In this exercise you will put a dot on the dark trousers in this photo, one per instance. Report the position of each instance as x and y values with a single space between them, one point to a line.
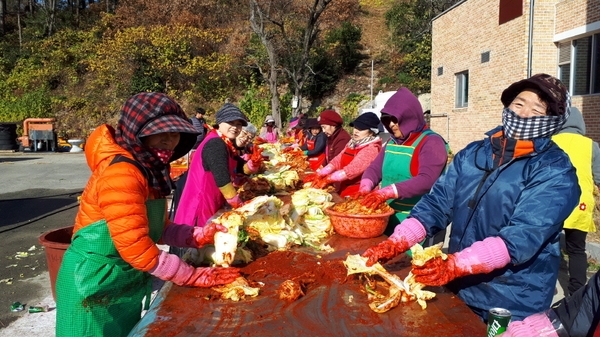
580 313
575 242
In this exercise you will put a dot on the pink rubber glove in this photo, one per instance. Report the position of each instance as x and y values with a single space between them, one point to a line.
171 268
235 202
534 325
480 258
325 170
338 176
406 234
192 237
375 198
253 166
366 186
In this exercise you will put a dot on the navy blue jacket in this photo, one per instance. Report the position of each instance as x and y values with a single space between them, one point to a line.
524 202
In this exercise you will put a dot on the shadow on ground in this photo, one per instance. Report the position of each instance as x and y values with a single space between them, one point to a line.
21 210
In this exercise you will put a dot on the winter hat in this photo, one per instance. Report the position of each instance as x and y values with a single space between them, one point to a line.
250 128
551 90
366 121
200 111
312 123
229 113
269 119
294 122
330 117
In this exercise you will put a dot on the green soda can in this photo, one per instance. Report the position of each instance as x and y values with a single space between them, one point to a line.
16 306
33 309
498 319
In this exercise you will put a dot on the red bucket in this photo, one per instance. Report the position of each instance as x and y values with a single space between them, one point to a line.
56 243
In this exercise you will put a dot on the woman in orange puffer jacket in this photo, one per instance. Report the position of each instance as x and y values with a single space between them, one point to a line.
106 271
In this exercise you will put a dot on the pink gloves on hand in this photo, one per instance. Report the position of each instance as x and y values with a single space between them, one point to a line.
253 166
235 202
191 237
406 234
328 179
338 176
325 170
171 268
482 257
366 186
534 325
373 199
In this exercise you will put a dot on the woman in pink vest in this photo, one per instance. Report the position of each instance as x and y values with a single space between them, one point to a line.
209 184
346 169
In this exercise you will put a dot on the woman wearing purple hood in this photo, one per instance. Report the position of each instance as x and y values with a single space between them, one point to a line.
409 163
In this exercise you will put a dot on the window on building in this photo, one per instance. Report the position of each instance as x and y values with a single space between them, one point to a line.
508 10
579 65
462 89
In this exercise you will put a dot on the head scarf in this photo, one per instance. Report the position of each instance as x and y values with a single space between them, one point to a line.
407 109
151 113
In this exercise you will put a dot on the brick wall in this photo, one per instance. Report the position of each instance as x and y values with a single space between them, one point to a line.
462 34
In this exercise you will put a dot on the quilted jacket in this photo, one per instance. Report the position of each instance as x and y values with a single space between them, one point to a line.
524 202
117 193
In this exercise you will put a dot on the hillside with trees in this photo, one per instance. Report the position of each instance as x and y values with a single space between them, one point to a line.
78 60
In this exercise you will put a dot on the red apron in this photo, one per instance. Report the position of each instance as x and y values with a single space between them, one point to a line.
350 186
317 161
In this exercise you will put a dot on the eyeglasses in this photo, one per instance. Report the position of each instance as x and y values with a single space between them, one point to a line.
387 119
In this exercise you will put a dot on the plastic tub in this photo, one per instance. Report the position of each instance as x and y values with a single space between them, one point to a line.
360 226
56 243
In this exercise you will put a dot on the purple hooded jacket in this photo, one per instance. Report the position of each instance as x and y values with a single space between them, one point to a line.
432 154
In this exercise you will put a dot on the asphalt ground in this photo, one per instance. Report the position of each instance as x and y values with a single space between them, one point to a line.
38 193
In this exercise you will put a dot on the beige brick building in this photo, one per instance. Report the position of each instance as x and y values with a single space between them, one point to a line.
480 47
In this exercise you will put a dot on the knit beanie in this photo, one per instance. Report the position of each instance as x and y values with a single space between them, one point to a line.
330 117
550 89
229 113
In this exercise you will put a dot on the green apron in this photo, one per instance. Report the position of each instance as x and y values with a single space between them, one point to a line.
98 293
395 169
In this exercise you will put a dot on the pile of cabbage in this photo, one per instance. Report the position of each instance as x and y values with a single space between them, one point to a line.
303 222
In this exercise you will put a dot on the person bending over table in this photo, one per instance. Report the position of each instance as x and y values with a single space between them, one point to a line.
209 184
410 161
107 269
346 169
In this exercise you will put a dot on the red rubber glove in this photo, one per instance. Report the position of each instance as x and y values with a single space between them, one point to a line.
209 277
375 198
406 234
235 202
206 235
309 178
192 237
171 268
385 251
357 195
322 182
481 257
438 272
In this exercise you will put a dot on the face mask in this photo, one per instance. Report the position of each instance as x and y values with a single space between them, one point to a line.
517 127
164 155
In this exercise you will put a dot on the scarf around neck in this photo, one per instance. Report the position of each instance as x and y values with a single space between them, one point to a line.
529 128
352 144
